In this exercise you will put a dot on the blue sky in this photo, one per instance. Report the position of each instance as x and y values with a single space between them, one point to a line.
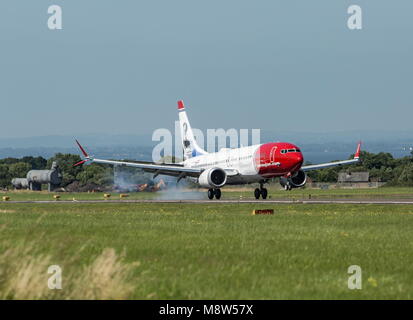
120 66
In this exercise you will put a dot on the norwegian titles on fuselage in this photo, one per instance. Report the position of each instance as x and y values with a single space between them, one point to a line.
266 160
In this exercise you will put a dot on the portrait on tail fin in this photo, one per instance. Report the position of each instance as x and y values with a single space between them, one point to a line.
186 142
190 146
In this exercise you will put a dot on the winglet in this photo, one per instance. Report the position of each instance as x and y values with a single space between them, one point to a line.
79 163
87 158
357 154
181 105
83 150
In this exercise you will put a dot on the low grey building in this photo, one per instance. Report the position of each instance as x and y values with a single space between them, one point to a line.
35 179
353 177
20 183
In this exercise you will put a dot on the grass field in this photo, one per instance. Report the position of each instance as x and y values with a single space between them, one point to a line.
228 193
198 251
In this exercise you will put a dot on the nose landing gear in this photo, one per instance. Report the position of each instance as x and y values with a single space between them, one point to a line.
214 192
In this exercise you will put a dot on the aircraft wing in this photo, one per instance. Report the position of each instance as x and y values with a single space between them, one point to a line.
172 169
335 163
166 169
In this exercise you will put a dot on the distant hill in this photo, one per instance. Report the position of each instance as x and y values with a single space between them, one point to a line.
317 147
69 141
142 153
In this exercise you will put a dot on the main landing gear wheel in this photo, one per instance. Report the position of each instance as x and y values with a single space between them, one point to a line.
214 192
261 192
257 193
264 193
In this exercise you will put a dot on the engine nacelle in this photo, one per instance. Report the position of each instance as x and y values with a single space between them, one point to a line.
213 178
297 180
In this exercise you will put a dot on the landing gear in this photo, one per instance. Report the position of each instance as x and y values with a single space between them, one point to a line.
287 187
257 193
261 192
214 192
264 193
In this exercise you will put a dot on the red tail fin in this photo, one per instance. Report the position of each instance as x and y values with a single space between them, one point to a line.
181 105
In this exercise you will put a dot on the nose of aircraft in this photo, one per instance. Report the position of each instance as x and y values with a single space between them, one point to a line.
297 159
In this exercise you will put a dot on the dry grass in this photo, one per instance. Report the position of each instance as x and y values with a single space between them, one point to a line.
7 211
23 275
105 278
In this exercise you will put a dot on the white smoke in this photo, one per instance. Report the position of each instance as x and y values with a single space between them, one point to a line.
126 181
180 191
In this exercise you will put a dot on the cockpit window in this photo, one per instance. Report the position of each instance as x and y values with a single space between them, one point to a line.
290 150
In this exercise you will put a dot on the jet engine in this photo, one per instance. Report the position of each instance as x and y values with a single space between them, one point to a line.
297 180
212 178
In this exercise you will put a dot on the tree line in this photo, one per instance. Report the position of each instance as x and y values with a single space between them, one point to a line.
94 173
381 167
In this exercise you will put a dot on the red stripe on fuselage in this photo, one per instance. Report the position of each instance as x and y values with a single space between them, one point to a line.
270 161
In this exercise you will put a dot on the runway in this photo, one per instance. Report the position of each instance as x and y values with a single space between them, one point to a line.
217 202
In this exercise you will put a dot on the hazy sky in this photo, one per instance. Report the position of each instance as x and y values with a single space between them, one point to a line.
120 66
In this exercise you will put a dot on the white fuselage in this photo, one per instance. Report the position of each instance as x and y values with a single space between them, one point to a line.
240 161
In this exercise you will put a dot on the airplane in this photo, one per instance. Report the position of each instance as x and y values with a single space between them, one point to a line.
237 166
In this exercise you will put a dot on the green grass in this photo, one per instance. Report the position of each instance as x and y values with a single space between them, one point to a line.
221 251
232 193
